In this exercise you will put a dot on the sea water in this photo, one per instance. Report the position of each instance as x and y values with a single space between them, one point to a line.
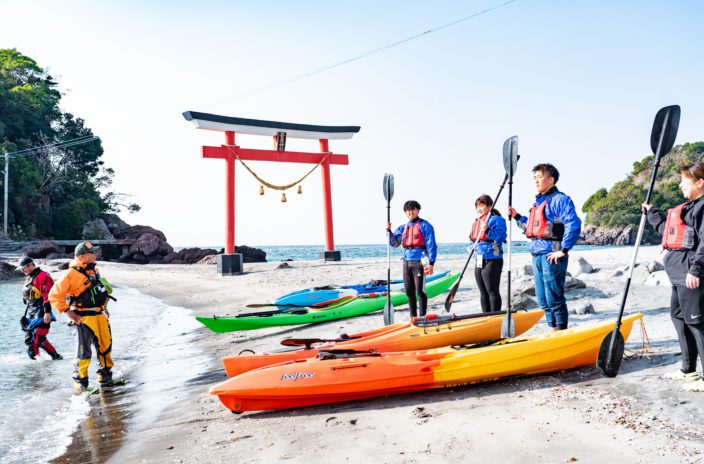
312 252
41 415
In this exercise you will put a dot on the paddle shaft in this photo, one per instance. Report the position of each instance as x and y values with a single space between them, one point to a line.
388 257
510 228
451 296
641 228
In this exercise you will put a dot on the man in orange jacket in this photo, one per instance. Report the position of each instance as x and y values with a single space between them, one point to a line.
81 294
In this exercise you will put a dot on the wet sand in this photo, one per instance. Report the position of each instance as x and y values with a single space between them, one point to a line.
575 416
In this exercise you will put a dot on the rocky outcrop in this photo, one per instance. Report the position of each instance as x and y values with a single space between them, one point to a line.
626 235
96 230
188 256
134 232
114 224
251 255
8 272
41 249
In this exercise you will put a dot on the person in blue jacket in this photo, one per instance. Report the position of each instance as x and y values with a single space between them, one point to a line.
488 232
553 227
420 250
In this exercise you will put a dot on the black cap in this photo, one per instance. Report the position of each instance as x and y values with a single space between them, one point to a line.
23 262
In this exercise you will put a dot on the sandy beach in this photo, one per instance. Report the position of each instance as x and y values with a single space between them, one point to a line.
575 416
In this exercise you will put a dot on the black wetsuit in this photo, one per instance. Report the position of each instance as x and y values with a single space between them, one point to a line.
686 305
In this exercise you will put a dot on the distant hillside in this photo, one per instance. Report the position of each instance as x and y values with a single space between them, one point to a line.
613 215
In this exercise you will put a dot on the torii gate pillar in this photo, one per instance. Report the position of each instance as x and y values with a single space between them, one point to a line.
230 262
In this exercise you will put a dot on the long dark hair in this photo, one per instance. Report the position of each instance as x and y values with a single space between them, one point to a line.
486 200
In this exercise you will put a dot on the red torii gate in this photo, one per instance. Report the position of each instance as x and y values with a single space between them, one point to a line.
231 262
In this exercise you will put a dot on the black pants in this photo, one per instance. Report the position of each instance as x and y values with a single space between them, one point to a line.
488 279
687 311
414 282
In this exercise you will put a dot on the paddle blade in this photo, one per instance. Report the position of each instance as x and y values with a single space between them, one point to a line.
451 297
388 186
609 362
508 326
511 155
665 126
388 313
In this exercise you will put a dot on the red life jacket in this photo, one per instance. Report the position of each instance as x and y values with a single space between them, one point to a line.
677 235
539 227
475 230
413 237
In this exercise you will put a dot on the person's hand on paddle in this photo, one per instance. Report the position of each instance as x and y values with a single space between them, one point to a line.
645 207
555 256
388 227
691 281
512 213
75 318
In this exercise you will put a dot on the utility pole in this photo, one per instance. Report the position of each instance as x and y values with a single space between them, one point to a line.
7 176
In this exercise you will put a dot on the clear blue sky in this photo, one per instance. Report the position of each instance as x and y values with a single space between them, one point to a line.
578 82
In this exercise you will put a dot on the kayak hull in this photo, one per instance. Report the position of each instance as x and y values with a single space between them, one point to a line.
396 337
355 307
314 381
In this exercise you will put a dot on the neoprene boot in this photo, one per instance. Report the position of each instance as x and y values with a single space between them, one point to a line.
104 375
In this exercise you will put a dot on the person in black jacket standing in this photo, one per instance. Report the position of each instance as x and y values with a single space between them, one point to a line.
683 233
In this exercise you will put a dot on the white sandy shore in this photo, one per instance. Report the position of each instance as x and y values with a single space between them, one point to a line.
576 416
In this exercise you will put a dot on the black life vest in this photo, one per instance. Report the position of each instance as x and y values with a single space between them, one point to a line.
539 227
31 295
412 236
678 235
475 230
95 295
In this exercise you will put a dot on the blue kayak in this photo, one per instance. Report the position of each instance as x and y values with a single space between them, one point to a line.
317 295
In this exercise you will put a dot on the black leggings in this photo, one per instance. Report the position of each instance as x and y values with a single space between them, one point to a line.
414 282
488 279
686 314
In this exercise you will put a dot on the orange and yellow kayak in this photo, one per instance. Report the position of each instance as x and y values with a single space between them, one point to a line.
333 378
424 333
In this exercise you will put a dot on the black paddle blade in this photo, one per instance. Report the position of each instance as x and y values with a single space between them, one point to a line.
388 313
508 326
665 126
451 297
608 363
511 155
388 186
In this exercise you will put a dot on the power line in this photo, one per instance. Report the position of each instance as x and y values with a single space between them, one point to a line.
354 58
62 144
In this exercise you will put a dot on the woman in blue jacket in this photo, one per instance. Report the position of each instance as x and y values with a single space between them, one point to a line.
489 231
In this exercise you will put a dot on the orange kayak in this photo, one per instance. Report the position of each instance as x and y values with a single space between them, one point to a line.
422 334
333 378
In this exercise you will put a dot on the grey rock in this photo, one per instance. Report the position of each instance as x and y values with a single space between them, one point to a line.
580 266
523 301
528 270
96 230
283 265
655 265
572 283
583 308
40 248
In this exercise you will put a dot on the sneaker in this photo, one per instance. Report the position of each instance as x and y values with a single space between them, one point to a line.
80 382
56 356
679 375
697 386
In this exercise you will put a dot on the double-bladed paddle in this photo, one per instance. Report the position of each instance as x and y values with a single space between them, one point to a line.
662 138
508 325
453 291
388 195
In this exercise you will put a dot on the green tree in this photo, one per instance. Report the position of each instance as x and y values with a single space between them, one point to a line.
620 206
54 190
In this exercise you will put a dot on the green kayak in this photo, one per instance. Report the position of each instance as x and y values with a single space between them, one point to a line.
351 308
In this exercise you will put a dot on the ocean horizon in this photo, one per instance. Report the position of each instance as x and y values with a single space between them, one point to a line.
275 253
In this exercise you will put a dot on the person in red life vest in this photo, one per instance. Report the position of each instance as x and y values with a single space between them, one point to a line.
682 229
37 318
488 232
553 227
420 250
